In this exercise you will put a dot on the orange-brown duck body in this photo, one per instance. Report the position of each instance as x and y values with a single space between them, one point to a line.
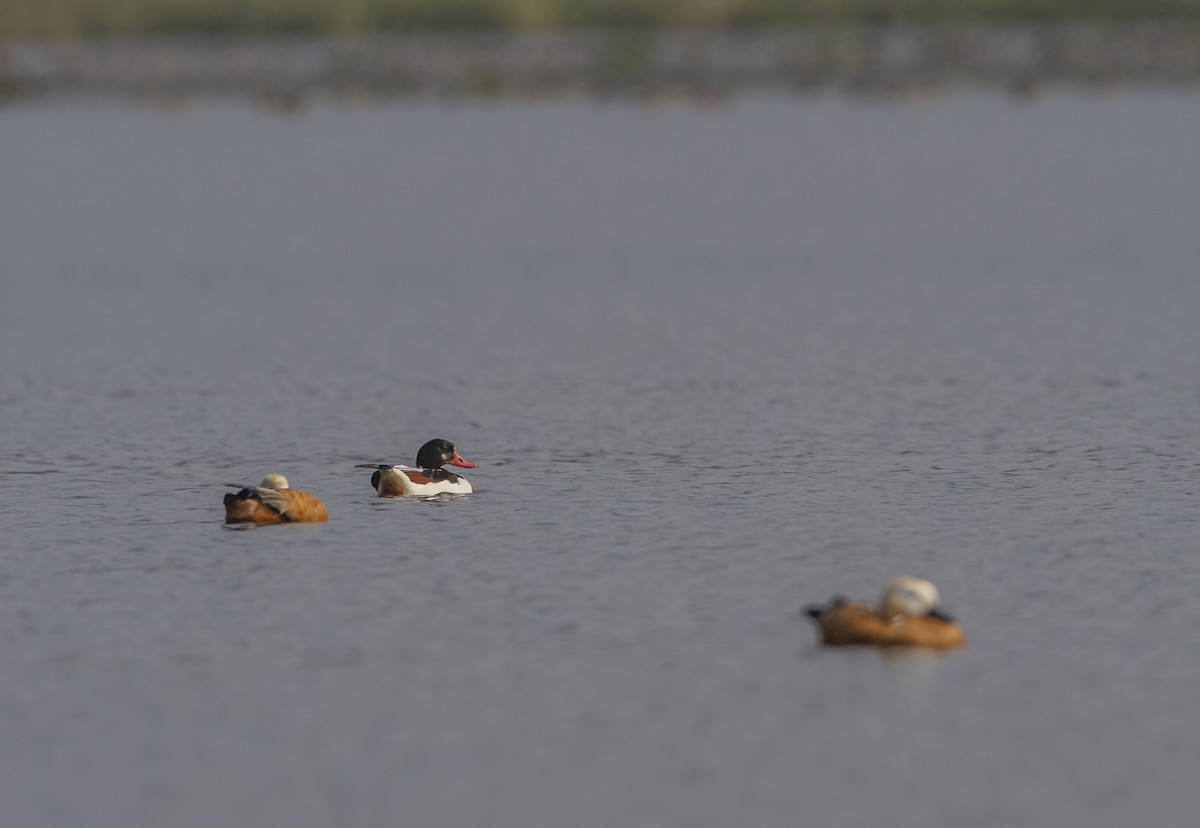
272 501
907 616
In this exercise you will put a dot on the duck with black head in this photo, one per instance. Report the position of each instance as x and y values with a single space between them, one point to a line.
907 616
425 479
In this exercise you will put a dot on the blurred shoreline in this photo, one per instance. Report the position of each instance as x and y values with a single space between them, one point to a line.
875 61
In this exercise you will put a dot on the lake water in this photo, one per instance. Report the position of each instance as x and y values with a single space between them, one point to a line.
715 362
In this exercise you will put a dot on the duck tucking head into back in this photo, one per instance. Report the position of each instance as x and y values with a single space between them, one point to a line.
907 615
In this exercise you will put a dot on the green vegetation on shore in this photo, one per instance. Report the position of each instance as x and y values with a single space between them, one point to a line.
88 18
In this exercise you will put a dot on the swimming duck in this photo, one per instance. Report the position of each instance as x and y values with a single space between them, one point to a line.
271 501
907 616
427 478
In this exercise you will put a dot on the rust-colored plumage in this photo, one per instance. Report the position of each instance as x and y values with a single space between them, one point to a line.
907 616
845 624
272 502
391 483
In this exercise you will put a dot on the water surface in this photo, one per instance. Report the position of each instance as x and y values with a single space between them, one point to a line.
715 362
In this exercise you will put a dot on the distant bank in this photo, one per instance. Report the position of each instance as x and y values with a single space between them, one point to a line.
81 19
869 59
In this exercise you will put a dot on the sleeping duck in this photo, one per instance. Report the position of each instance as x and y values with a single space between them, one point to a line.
907 616
271 501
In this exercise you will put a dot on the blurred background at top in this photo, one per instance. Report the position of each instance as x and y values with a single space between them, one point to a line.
84 18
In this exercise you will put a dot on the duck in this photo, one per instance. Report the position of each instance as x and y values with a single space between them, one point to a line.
272 501
907 616
427 477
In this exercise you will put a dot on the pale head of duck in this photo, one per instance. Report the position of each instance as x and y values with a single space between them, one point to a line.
907 596
274 480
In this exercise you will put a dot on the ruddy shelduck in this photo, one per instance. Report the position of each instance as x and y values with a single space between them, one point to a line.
907 616
271 501
427 478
